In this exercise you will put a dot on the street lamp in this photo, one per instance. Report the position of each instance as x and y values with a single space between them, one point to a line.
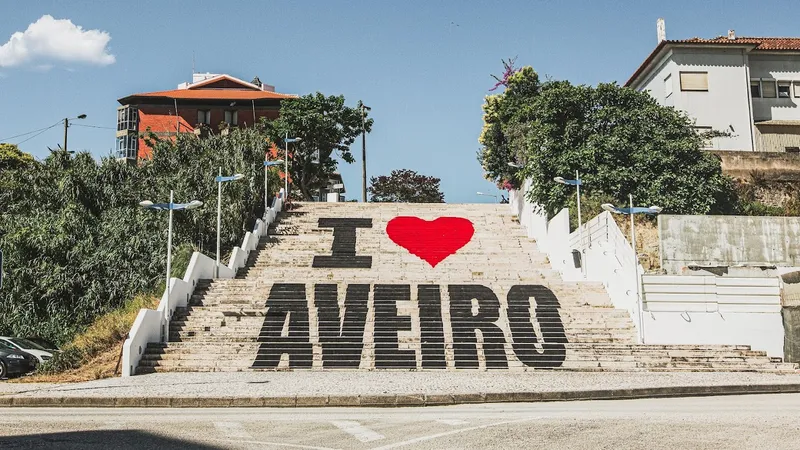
267 165
288 141
631 211
66 126
487 195
577 183
220 179
514 165
171 206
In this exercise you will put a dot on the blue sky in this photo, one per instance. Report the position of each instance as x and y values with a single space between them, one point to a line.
423 66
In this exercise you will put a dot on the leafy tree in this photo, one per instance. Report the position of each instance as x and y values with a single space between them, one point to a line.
405 186
620 140
327 128
76 243
11 157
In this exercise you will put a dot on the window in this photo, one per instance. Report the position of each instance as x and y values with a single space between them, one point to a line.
204 117
784 89
797 89
668 86
231 117
792 149
128 119
755 88
128 146
694 81
768 89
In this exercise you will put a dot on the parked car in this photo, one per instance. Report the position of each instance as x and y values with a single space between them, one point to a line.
26 346
15 362
49 346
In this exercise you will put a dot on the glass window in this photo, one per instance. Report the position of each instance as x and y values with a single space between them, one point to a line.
694 81
204 117
128 146
784 89
755 88
768 89
232 117
797 89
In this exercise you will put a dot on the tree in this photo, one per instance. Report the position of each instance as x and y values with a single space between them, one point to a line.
327 128
620 140
405 186
76 244
11 157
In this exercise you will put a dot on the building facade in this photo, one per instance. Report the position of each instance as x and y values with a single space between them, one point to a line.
209 103
748 87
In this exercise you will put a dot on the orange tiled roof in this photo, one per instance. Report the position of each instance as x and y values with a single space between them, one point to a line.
757 44
213 94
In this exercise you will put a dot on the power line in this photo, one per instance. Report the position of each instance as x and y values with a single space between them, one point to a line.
92 126
37 134
31 132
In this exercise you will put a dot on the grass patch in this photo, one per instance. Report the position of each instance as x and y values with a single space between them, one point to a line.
93 354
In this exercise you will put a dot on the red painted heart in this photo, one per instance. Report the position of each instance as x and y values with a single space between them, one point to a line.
432 241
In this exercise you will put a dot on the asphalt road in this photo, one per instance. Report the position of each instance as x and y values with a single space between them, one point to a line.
762 421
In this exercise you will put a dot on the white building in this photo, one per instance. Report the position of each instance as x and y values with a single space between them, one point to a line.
749 87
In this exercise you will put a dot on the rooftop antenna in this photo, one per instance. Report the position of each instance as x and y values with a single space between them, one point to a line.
193 71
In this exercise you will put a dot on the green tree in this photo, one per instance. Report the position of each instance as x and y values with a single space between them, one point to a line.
405 186
11 157
327 128
620 140
76 244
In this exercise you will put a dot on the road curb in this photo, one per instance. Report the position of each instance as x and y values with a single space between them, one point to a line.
400 400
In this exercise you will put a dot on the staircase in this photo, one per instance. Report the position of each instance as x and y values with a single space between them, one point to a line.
353 286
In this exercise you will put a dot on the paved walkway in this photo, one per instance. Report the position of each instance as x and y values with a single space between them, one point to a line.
747 422
310 384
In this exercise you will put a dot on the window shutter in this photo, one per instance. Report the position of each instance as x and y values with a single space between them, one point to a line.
694 81
768 89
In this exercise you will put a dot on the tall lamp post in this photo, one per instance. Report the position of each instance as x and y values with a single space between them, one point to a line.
288 141
66 127
267 165
220 179
171 206
364 108
631 211
577 183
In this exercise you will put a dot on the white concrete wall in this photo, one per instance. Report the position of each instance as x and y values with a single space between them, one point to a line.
675 309
713 310
780 68
727 102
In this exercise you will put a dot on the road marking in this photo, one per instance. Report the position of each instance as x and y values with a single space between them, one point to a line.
233 430
450 433
267 443
453 422
358 431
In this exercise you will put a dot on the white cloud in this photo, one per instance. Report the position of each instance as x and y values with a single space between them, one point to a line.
50 39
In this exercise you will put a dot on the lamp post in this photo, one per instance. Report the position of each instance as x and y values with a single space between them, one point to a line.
577 183
66 127
631 210
288 141
364 108
171 206
220 179
486 195
267 165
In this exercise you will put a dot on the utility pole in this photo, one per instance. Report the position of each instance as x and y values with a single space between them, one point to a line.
364 108
66 126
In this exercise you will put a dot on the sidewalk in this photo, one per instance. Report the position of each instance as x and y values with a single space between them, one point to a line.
385 388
